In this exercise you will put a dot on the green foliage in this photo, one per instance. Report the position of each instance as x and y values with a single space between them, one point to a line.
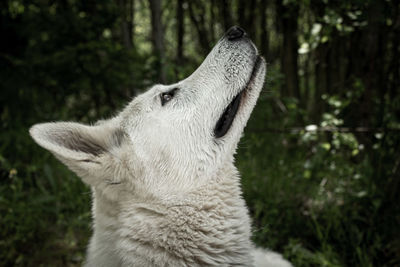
313 194
42 206
321 195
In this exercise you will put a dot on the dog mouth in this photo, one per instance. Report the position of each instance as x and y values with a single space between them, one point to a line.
225 122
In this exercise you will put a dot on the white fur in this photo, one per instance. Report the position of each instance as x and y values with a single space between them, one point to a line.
165 190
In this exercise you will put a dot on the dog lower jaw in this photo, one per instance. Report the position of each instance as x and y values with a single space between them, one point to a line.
225 122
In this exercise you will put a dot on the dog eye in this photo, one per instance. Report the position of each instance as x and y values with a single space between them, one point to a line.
167 96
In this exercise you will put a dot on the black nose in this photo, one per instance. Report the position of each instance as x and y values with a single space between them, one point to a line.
235 33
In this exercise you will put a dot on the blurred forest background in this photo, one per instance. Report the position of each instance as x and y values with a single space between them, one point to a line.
320 157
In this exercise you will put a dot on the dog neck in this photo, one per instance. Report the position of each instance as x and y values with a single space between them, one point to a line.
209 225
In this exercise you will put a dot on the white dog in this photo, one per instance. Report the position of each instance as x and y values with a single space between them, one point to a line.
165 189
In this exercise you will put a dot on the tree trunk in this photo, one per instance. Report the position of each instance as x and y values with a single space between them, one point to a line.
374 67
395 64
124 34
307 102
225 13
320 80
212 20
157 37
251 16
197 13
241 13
246 16
131 21
289 14
264 42
180 31
126 23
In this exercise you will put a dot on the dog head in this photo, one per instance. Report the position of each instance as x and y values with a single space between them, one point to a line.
172 137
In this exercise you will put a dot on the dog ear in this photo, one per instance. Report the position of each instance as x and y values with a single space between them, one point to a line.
86 150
